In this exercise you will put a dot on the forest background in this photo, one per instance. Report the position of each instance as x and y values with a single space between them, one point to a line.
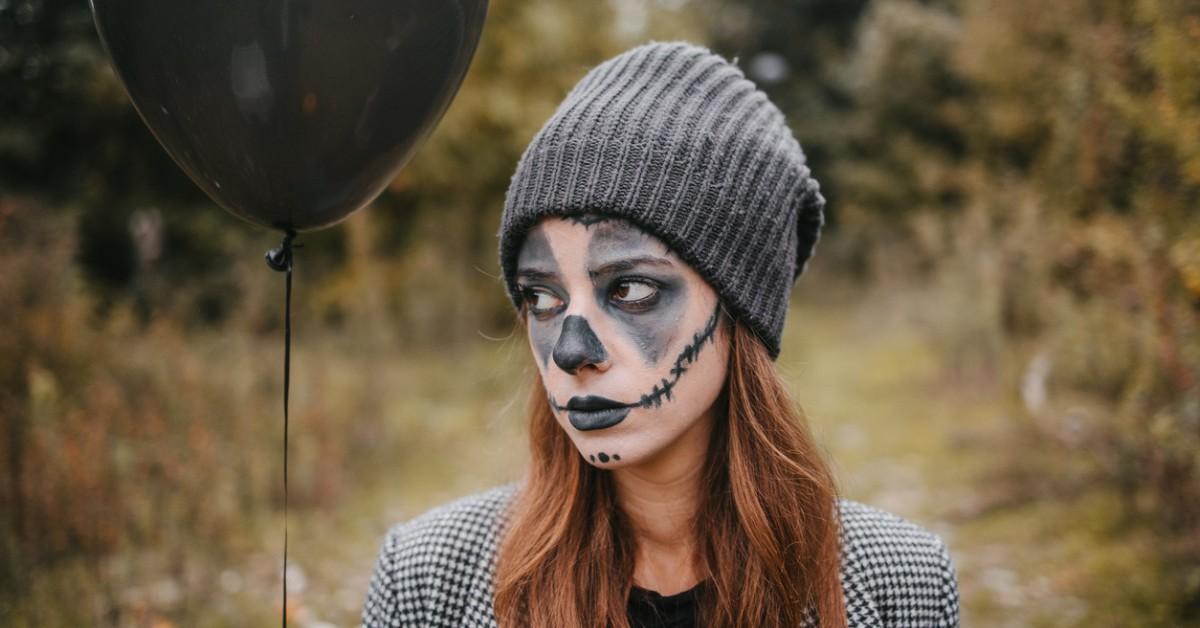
999 336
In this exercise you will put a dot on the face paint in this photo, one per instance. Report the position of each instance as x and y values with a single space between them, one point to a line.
587 220
688 355
621 329
618 249
593 412
577 345
536 265
654 397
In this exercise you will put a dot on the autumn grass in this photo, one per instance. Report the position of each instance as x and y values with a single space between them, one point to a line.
902 436
375 437
910 433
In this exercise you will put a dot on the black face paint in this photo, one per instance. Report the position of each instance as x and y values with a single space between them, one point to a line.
686 357
619 253
593 412
596 413
535 261
587 220
603 457
616 456
577 345
612 259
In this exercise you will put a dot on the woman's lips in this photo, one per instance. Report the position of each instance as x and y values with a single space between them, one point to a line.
596 419
594 412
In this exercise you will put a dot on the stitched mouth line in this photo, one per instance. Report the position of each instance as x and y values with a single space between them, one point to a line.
687 356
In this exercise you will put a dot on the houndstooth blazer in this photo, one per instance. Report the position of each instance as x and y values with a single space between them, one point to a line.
437 569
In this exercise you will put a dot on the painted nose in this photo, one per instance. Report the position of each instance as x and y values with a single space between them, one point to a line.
577 345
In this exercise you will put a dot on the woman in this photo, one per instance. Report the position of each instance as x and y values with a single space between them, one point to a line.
650 238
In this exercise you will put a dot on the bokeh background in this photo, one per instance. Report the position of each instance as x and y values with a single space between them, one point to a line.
998 338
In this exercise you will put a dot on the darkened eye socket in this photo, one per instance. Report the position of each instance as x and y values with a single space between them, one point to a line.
634 291
540 300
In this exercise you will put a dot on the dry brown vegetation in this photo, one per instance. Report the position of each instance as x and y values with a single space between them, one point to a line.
1005 312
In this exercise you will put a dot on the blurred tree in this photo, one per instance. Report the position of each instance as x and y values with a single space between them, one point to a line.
870 90
1039 161
443 211
794 51
69 135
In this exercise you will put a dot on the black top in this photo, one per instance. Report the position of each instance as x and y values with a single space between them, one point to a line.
649 609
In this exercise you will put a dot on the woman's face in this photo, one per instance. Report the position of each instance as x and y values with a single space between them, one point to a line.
624 333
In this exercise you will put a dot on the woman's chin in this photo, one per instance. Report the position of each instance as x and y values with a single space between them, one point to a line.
610 451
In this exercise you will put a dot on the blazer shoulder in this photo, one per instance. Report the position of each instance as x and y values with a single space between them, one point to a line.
474 517
895 569
436 568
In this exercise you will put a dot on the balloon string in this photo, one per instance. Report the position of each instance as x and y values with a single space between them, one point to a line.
280 259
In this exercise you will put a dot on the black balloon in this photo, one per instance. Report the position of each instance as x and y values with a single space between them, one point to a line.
291 114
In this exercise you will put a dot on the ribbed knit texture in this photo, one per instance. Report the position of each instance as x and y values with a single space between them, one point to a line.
676 139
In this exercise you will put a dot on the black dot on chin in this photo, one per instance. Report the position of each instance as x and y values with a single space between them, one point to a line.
616 456
593 457
603 457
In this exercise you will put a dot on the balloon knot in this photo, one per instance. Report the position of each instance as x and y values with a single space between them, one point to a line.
280 257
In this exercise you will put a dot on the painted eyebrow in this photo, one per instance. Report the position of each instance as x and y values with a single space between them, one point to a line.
536 274
630 264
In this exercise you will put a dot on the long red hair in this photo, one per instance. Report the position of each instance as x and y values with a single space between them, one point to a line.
766 527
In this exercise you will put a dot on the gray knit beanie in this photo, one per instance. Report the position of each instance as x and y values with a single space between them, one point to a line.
675 139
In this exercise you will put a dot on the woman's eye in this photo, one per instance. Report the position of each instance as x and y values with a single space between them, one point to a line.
631 291
540 300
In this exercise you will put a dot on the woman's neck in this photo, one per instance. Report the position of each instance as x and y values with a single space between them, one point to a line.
659 497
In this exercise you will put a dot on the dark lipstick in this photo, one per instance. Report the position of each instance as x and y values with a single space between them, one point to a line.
594 412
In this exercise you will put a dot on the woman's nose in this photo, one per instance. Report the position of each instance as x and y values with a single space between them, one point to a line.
578 345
